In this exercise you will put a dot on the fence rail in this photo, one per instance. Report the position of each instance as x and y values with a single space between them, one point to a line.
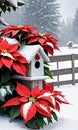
64 71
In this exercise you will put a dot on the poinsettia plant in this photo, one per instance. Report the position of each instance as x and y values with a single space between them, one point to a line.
16 99
11 61
28 35
35 102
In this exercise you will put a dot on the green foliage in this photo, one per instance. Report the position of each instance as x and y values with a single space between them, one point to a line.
54 116
37 121
47 71
20 4
40 121
2 98
49 120
14 113
4 75
5 5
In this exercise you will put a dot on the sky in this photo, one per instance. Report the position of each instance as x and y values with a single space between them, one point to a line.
68 8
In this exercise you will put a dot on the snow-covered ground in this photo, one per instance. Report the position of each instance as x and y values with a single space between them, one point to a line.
66 50
68 117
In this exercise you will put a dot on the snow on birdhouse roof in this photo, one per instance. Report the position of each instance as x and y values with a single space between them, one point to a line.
70 42
29 51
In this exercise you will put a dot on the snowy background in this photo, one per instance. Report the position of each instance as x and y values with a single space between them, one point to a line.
68 116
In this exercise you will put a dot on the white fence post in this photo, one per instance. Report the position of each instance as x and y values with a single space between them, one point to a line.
73 68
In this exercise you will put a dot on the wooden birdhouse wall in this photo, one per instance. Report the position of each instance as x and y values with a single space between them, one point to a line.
35 67
32 84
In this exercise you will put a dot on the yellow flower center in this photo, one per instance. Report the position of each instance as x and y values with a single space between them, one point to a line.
41 34
4 51
19 26
31 99
52 93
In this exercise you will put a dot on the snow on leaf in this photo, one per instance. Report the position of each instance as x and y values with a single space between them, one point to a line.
46 94
8 55
3 92
28 111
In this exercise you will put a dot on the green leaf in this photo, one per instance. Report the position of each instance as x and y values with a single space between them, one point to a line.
47 72
21 3
12 87
19 36
40 121
5 76
49 120
32 123
14 8
2 98
54 115
22 43
14 113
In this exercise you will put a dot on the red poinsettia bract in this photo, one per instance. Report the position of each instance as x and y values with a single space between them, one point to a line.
31 102
11 58
1 39
14 30
56 96
47 41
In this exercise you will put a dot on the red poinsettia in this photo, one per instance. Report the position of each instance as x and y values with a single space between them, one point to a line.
14 30
11 58
1 39
31 102
47 41
56 96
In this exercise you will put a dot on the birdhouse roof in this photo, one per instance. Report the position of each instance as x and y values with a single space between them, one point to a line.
29 51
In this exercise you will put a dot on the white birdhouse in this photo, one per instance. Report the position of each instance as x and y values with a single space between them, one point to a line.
35 56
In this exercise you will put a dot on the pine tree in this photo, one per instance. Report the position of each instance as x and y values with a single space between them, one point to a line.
65 34
75 27
43 14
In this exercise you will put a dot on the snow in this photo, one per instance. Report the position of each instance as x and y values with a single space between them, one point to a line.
68 116
66 51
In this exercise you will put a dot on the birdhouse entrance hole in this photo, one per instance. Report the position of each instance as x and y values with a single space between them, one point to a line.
37 64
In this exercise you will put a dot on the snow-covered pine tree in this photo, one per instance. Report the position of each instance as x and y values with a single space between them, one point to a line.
43 14
65 34
75 27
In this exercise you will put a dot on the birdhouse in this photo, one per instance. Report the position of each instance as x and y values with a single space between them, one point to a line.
35 56
70 44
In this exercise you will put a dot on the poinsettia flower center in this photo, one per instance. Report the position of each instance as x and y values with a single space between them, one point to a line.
4 51
31 99
52 93
19 26
41 34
